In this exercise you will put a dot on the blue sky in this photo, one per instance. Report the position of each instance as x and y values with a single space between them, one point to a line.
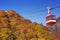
31 9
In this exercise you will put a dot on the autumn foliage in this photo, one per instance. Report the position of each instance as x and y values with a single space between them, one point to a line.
15 27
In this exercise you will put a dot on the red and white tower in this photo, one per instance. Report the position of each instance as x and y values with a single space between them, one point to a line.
50 19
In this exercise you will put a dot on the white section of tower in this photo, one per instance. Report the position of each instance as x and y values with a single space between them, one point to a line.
50 21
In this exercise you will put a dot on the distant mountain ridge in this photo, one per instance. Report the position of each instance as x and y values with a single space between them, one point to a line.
57 25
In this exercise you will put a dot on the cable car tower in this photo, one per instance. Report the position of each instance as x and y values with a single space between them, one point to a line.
50 19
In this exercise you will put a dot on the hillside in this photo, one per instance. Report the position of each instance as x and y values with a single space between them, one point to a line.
15 27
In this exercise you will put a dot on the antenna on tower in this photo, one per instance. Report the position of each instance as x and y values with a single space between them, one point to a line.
49 8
